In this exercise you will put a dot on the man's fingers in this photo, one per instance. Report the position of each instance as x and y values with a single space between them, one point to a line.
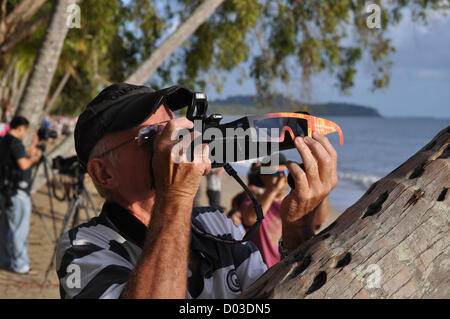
205 159
331 153
299 176
327 146
322 158
182 151
176 128
190 149
310 163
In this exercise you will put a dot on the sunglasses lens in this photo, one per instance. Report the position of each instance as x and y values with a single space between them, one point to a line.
301 127
276 128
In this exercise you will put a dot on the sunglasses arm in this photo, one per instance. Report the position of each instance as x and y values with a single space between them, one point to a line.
324 127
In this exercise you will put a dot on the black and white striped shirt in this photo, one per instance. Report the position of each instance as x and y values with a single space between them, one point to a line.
95 259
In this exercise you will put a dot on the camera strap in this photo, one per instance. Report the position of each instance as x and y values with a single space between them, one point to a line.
257 207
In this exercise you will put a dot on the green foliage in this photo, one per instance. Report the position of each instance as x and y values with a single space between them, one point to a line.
109 45
295 37
272 41
219 44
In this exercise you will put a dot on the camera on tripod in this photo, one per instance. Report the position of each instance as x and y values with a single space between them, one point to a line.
69 166
44 134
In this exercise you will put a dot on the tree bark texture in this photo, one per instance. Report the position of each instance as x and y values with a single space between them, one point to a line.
16 24
392 243
33 100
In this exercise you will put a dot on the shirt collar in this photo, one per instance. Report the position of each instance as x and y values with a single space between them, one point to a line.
125 223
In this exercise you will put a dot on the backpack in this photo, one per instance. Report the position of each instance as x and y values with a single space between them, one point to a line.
8 173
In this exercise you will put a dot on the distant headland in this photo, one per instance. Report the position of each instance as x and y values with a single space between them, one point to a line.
250 104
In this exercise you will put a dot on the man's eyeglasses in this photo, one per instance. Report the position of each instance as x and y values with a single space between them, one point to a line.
144 136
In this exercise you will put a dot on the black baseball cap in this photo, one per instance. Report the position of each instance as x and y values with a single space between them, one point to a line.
120 107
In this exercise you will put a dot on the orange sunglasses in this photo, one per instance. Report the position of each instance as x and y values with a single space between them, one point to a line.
296 124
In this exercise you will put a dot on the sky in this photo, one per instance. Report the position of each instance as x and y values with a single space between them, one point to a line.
420 75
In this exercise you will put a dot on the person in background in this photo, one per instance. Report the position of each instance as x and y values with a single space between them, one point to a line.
275 189
238 199
15 222
235 214
4 128
254 182
46 123
214 186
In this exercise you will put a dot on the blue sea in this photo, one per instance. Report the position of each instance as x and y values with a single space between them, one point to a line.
373 147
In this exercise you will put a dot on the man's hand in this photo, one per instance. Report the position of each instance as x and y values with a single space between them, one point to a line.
172 171
161 271
36 156
312 186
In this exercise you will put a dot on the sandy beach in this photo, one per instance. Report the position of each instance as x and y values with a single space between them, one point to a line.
42 235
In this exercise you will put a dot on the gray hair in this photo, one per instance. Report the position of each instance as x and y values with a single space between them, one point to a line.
101 147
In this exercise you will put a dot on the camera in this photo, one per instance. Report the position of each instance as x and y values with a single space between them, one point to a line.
44 134
229 142
69 166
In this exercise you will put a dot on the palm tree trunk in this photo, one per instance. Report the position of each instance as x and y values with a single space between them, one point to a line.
145 71
33 100
17 96
57 92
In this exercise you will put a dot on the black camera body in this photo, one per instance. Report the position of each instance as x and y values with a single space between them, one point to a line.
234 147
197 111
44 134
69 166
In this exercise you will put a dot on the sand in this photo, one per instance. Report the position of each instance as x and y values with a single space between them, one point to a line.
42 238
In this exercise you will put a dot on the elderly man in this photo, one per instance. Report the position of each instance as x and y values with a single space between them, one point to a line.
149 241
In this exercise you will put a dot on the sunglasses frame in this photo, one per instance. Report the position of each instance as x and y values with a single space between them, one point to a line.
315 124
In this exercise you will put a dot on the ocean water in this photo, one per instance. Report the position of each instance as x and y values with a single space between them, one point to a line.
373 147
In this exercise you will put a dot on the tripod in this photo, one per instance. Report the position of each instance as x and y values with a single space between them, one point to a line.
80 199
44 161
